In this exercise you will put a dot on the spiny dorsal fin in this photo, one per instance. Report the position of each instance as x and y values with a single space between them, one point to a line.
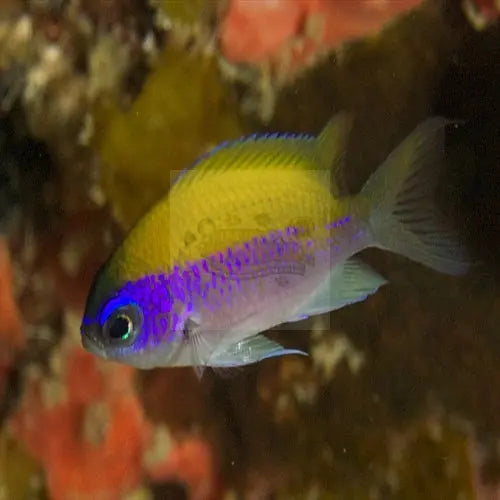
260 151
256 152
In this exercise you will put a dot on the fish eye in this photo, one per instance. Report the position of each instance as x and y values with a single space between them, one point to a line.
120 328
122 325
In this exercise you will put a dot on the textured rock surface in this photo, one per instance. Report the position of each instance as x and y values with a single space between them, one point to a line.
100 105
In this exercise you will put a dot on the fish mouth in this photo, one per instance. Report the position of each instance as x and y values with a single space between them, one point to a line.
90 341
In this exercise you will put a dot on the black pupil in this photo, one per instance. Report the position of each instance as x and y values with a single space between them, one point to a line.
120 328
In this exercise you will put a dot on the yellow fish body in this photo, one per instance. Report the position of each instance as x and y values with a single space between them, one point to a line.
255 235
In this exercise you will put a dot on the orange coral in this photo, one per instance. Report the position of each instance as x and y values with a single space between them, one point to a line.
261 31
192 463
11 330
108 468
12 337
88 429
254 31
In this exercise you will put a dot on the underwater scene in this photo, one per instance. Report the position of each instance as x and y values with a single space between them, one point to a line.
250 249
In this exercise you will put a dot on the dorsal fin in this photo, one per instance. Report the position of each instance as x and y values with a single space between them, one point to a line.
257 151
284 150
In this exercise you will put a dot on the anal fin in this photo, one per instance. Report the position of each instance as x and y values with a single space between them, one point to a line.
347 283
250 350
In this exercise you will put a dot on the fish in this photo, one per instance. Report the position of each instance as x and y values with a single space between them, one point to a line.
257 234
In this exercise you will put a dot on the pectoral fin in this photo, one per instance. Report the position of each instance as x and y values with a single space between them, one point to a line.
201 347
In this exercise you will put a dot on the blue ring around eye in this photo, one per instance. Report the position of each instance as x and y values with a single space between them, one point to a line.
112 305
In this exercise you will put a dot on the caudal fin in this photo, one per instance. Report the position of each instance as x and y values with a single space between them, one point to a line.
404 218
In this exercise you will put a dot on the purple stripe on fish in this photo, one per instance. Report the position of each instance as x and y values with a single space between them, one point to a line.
278 252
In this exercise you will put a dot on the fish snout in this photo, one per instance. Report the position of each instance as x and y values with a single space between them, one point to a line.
90 333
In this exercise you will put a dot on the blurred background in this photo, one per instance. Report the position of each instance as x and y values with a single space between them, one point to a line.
101 103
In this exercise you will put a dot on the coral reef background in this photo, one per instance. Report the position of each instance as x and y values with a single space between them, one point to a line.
101 104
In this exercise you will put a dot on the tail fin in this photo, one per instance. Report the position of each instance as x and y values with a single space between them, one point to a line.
404 218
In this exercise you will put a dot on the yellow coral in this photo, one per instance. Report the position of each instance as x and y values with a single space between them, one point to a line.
18 472
185 11
182 110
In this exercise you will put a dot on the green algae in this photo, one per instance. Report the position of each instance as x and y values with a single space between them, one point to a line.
182 110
